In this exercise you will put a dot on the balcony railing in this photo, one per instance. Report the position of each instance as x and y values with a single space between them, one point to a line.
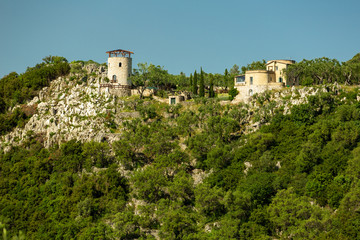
109 85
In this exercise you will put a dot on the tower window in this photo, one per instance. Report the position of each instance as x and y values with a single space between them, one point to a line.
119 64
114 78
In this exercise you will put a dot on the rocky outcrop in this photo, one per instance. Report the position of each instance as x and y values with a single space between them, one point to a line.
70 109
262 106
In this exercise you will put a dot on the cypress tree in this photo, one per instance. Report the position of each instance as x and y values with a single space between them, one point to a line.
226 78
191 81
202 85
211 90
195 87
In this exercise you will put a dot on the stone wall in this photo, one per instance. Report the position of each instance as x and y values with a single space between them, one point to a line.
120 92
146 93
246 91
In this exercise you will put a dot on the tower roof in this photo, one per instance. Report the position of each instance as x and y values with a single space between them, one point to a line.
284 61
121 52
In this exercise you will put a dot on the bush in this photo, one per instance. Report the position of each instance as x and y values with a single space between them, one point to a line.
232 93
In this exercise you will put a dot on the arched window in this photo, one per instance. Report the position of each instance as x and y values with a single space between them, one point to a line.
114 78
250 92
119 64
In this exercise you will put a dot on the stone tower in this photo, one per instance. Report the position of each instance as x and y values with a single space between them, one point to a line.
119 67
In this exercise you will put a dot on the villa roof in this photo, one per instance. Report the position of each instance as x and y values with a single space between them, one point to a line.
285 61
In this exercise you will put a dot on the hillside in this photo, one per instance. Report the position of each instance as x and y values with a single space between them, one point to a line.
88 165
72 107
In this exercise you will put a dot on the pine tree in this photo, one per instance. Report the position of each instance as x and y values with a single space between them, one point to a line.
202 85
195 87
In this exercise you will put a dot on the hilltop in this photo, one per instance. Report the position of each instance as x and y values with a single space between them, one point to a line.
75 107
86 164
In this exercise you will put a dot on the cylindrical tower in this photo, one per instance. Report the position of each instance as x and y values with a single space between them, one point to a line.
119 67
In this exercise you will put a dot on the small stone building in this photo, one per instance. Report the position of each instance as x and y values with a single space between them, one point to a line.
119 71
119 67
176 99
257 81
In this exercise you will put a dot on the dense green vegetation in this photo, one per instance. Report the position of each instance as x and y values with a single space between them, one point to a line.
199 83
297 177
17 89
325 70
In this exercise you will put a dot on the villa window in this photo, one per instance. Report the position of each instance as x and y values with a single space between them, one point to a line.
280 79
240 79
119 64
251 80
277 68
250 92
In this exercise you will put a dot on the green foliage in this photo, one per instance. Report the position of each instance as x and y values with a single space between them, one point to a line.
17 89
297 217
202 85
191 80
10 120
232 93
324 70
127 224
226 79
150 76
234 70
96 154
47 198
180 223
256 65
195 84
302 114
147 112
195 175
211 88
209 201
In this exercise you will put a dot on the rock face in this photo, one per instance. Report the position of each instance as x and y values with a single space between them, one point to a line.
70 109
265 104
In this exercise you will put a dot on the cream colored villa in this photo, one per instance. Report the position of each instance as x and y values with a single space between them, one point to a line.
256 81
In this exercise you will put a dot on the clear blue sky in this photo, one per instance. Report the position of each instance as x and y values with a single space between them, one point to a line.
178 35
